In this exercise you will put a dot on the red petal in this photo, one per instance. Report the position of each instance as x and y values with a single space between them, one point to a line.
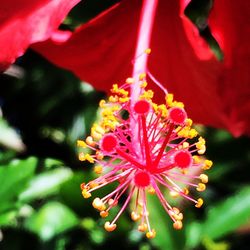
23 22
229 21
100 52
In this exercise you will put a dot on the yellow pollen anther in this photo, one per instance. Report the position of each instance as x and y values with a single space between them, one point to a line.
148 95
112 202
151 234
96 136
177 104
185 191
208 164
98 204
99 155
200 145
93 184
148 51
204 178
184 171
98 169
176 210
151 190
178 217
163 110
81 157
184 132
135 216
123 99
89 158
102 103
185 144
201 187
202 150
115 88
109 227
192 133
142 227
81 144
99 129
169 99
196 159
177 225
142 76
85 193
130 80
199 203
144 84
90 141
113 98
104 214
188 122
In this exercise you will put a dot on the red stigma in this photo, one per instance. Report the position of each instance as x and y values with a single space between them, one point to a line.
183 159
142 107
177 115
142 179
108 143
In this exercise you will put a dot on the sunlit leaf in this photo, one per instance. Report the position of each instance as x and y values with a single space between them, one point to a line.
13 179
46 183
193 234
228 215
10 138
7 218
52 219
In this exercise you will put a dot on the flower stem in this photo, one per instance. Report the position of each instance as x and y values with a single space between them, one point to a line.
140 58
143 41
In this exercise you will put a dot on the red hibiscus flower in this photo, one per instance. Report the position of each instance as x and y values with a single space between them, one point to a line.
23 22
215 93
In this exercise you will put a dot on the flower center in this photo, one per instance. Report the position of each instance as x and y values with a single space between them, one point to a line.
142 179
183 159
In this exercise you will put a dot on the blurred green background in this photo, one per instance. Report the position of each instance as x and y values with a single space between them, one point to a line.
43 111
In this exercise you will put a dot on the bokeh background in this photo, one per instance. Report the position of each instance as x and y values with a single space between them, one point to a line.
43 111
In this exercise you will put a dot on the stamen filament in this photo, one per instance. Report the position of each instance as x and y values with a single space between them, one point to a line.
164 144
129 158
124 205
145 140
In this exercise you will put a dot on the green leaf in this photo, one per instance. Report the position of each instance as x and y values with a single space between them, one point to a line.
193 234
51 162
45 184
52 219
7 218
211 245
228 215
13 179
9 137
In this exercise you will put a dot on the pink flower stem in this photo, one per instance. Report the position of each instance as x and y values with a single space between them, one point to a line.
140 58
143 41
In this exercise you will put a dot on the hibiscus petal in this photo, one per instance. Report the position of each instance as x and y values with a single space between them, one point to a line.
23 22
229 22
100 52
192 80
